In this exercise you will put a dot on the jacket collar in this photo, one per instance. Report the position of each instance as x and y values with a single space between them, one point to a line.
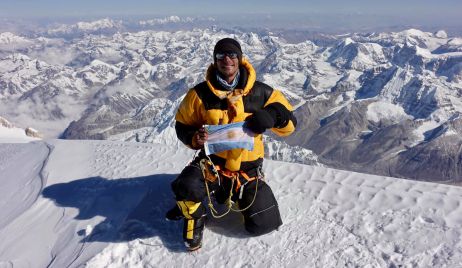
237 91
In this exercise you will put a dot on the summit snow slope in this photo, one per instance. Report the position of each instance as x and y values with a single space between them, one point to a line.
101 204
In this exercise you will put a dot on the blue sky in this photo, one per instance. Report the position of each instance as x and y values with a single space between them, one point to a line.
26 8
326 13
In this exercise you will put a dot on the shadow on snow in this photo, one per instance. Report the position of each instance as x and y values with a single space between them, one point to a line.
132 208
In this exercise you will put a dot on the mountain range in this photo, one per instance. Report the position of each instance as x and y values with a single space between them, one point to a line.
384 103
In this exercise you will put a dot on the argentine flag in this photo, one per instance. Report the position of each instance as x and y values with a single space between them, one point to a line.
227 137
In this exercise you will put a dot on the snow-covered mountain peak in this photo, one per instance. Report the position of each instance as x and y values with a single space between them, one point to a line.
80 28
7 38
441 34
452 45
97 62
455 41
104 71
423 52
358 56
252 39
410 37
170 19
174 19
347 41
415 33
15 57
98 25
422 39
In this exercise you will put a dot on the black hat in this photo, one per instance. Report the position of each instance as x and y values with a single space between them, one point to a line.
227 45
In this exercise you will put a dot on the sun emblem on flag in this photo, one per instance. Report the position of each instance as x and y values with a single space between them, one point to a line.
232 134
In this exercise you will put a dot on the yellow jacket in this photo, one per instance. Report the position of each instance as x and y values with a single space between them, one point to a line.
206 104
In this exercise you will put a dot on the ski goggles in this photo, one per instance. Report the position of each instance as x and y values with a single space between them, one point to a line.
231 55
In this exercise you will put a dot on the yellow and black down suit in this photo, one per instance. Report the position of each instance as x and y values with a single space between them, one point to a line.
208 104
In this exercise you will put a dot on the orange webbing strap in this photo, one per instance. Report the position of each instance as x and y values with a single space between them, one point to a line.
208 167
234 175
209 171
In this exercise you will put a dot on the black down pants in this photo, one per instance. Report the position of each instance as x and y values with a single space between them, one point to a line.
261 217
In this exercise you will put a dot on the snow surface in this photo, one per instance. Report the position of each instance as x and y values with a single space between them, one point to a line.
14 135
102 203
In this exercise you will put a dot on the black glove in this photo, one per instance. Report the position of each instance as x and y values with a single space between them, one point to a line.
273 115
259 121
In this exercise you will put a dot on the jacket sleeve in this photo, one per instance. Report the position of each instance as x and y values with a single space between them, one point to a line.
185 133
285 119
189 117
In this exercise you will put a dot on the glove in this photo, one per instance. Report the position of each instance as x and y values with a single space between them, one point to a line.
199 138
273 115
259 121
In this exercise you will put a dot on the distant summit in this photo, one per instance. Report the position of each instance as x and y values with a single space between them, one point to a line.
441 34
103 26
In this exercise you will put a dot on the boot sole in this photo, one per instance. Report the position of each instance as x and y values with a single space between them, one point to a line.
191 249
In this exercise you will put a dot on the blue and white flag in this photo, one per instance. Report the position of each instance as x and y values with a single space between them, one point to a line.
227 137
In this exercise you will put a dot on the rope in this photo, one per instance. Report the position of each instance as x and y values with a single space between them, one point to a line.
213 211
229 202
253 200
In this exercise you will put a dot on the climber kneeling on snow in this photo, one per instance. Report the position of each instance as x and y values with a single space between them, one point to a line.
229 95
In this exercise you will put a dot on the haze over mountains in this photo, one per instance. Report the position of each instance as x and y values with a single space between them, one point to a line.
384 103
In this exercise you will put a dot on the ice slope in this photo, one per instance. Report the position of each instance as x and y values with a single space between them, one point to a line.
101 204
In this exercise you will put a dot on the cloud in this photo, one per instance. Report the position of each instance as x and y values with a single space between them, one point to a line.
128 86
54 55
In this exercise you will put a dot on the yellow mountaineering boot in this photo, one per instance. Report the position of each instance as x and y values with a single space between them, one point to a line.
193 230
194 223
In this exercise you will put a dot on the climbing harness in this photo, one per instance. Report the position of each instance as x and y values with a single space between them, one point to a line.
212 173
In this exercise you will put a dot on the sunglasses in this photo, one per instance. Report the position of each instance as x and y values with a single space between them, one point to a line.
231 55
